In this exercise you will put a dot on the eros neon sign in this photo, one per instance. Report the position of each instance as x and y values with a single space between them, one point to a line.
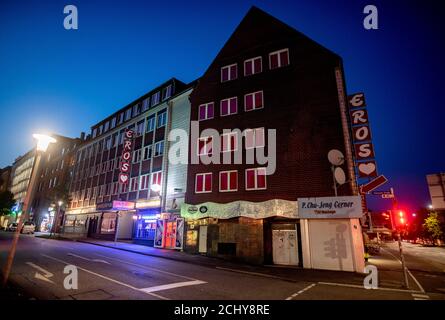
124 174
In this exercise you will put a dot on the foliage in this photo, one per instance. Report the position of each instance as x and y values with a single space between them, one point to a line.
432 226
6 202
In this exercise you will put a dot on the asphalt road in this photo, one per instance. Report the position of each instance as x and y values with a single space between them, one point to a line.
106 273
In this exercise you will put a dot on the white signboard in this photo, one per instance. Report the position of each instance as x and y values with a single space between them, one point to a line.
330 207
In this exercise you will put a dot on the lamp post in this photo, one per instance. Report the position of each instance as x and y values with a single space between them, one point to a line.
43 142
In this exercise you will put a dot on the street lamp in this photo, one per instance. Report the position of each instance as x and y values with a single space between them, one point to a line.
430 207
43 142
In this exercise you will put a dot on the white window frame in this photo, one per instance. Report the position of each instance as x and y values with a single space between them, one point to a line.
161 119
151 124
228 101
128 114
256 179
252 60
132 182
155 149
229 78
254 137
254 106
236 141
206 106
155 174
113 122
279 58
228 182
203 182
205 139
155 98
144 182
136 156
168 92
144 151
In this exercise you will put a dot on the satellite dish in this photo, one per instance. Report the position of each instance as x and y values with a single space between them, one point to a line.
335 157
339 175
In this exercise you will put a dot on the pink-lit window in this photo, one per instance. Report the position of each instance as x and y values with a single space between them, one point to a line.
206 111
253 101
205 146
156 178
279 59
256 179
228 181
252 66
254 138
203 182
229 142
229 106
229 72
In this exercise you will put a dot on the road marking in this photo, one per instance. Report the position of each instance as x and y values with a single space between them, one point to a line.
148 268
407 270
107 278
301 291
362 287
172 286
252 273
87 259
46 274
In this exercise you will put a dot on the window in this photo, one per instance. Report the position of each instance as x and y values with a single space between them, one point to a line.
136 156
205 146
124 187
120 118
254 138
206 111
279 59
229 142
108 143
155 99
162 119
140 128
115 139
253 101
134 184
136 109
151 124
256 179
94 133
147 153
229 72
108 189
113 122
229 106
228 181
203 182
166 92
145 104
145 181
252 66
156 178
159 148
100 129
127 114
95 191
107 126
115 188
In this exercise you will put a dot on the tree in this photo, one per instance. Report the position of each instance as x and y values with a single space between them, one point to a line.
432 226
6 202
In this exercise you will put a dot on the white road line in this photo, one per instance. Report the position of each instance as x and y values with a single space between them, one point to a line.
148 268
407 270
87 259
424 296
106 278
249 272
362 287
46 273
301 291
172 286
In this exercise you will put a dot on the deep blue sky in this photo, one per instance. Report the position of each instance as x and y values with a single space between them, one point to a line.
64 81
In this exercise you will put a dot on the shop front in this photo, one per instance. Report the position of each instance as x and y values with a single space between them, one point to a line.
169 232
275 232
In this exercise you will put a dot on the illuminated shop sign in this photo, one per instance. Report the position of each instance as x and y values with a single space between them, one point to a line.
330 207
125 165
115 205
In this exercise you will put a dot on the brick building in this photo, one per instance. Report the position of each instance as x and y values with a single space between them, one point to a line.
51 195
269 76
102 206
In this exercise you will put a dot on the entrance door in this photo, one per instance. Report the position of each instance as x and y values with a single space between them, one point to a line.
284 247
202 239
170 235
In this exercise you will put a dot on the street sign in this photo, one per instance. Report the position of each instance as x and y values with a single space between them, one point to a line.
374 184
379 193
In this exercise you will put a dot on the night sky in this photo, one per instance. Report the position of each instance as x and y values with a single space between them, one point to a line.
61 81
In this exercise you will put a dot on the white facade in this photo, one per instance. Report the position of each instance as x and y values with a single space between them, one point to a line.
436 187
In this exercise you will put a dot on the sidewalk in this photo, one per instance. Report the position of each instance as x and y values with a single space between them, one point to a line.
292 274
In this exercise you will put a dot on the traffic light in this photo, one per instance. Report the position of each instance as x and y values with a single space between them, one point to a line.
401 219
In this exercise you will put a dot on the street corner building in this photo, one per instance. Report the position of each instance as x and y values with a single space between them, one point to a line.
120 188
270 76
